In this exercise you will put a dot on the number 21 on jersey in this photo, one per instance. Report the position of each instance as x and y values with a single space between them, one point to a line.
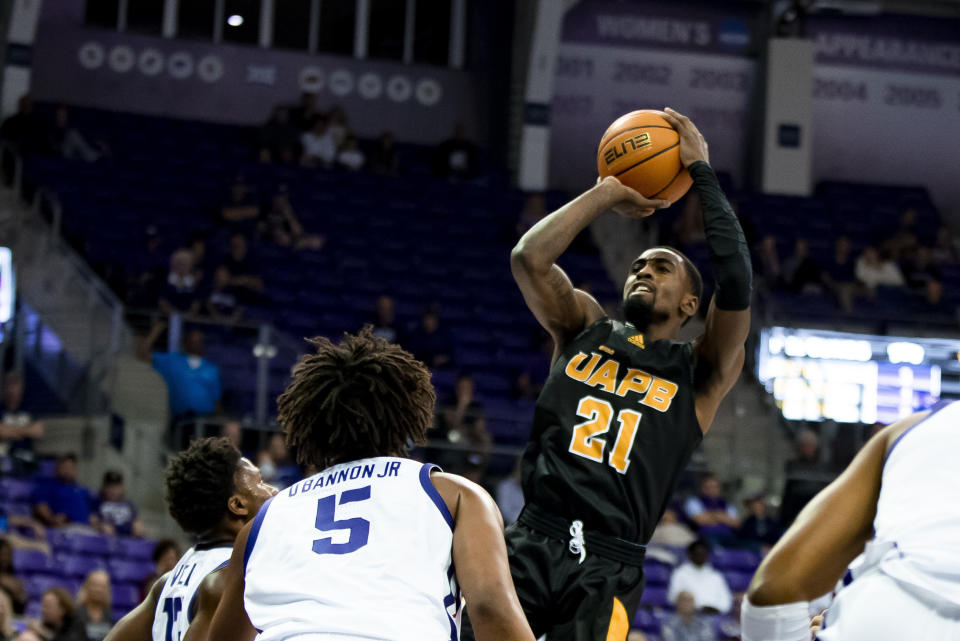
587 442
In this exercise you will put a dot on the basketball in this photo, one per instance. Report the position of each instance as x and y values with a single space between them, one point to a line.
643 151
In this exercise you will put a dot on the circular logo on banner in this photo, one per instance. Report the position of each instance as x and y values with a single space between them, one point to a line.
429 92
311 79
151 62
370 86
121 59
91 55
341 82
210 68
399 88
180 65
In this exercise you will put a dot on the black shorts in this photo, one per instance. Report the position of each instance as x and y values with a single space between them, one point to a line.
564 599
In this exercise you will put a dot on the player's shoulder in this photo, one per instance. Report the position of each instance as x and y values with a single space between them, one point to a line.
460 494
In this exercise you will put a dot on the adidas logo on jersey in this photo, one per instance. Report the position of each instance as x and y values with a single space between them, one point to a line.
637 340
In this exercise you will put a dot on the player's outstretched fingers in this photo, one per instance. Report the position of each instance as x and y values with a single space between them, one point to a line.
693 146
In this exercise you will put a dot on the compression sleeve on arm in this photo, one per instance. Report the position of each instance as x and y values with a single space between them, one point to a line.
729 253
789 622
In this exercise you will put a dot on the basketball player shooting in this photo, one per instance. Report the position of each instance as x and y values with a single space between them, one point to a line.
624 406
898 503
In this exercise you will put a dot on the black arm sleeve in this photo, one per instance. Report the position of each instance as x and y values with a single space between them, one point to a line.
729 253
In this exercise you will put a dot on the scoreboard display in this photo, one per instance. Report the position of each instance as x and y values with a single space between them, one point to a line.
852 378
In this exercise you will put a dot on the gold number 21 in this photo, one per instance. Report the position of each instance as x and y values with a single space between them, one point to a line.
587 442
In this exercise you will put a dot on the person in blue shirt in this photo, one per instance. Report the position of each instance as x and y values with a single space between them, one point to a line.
60 501
193 381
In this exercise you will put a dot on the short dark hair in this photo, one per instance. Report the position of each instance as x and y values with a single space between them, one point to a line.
112 477
69 456
358 398
199 481
699 543
693 274
162 547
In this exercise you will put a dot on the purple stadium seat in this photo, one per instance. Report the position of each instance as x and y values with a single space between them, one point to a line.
656 574
130 548
738 581
731 559
25 561
129 571
655 596
15 490
125 595
75 565
96 545
33 609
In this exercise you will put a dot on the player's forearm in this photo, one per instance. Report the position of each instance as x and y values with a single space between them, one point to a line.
543 244
729 253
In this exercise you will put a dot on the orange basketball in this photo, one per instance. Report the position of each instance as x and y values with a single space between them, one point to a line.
643 151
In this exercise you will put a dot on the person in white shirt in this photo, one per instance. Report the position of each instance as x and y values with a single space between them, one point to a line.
708 587
350 155
873 270
318 145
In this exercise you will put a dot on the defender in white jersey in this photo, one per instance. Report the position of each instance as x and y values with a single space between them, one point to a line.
211 492
366 548
899 505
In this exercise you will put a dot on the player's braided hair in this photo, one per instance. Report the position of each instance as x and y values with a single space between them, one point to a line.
358 398
199 482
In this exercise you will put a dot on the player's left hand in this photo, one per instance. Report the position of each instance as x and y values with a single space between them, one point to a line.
693 147
816 623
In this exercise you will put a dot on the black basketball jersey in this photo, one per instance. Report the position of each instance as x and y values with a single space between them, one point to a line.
613 430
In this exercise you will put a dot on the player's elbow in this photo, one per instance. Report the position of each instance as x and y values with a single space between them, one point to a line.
525 261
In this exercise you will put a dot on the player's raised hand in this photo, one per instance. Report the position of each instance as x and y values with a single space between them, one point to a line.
626 201
693 147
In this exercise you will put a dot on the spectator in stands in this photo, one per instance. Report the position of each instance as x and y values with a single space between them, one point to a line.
18 428
874 269
339 125
222 303
919 268
384 321
148 270
686 624
671 532
70 143
696 576
94 616
279 138
759 530
276 466
61 501
26 131
305 113
688 227
383 158
57 618
281 226
318 145
905 239
944 248
510 494
166 553
117 514
768 267
840 274
933 303
463 422
180 293
429 342
525 388
7 631
244 277
9 581
350 156
241 210
801 273
456 157
806 475
233 431
193 382
716 519
197 247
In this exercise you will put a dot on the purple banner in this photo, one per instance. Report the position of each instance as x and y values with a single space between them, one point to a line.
691 27
909 43
239 84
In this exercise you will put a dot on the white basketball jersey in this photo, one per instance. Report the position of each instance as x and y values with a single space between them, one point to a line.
360 550
917 525
175 607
